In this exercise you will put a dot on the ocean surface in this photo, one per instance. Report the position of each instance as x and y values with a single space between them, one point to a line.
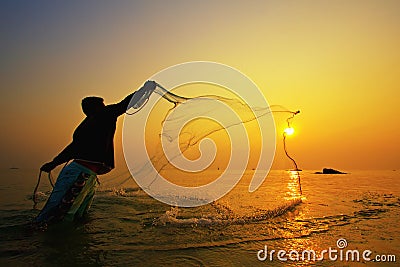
125 227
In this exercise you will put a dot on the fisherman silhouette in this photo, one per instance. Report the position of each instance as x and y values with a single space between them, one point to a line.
92 154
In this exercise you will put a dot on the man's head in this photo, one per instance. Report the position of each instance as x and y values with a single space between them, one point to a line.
92 105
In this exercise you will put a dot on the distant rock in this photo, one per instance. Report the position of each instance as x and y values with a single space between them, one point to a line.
330 171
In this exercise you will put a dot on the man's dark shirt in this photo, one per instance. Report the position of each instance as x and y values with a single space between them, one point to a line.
93 139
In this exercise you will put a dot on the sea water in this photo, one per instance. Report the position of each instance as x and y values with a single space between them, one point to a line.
126 227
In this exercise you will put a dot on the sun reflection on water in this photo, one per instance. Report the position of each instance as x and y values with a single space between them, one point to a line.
297 238
294 187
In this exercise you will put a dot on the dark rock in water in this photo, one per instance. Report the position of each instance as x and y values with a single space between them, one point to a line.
330 171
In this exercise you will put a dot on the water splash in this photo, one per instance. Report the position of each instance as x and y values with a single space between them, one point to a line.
224 216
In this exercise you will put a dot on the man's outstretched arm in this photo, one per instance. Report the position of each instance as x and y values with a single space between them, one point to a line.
121 107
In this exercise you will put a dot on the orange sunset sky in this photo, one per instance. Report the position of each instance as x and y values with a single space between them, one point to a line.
336 61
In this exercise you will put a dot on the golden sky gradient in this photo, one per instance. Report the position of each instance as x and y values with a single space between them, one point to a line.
336 61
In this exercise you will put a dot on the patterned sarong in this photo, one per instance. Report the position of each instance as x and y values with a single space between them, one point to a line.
71 197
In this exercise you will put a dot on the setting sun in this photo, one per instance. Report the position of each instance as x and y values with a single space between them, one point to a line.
289 131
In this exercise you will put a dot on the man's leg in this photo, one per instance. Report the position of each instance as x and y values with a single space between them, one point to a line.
83 209
83 201
64 181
